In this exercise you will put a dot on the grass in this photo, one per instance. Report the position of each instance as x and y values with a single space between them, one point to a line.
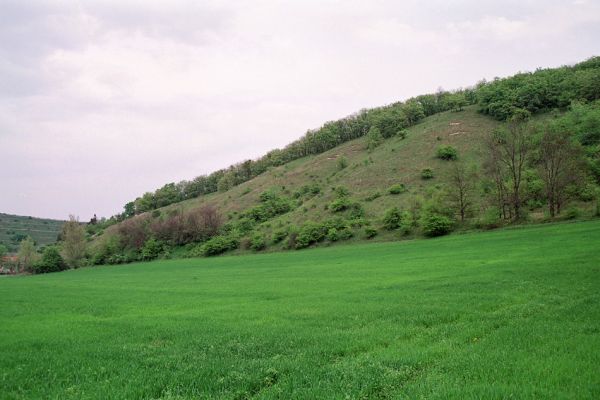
504 314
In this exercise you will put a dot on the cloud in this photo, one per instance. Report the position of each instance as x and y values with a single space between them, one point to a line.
101 101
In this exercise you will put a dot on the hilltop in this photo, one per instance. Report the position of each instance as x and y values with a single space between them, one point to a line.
14 228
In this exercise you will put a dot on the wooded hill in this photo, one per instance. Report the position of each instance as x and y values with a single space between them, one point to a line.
478 158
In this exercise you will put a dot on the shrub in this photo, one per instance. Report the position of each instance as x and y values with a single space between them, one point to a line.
219 244
397 188
332 235
436 225
572 213
51 261
374 138
279 235
392 219
258 242
427 173
311 232
342 163
373 196
370 233
340 204
151 249
447 153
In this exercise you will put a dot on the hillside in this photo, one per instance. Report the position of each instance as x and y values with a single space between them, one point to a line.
14 228
513 313
475 158
368 173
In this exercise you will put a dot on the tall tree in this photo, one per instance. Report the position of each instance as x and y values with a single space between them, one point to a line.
559 165
73 247
509 151
27 255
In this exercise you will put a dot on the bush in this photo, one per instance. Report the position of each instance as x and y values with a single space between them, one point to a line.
370 233
436 225
152 249
447 153
426 174
311 232
397 188
373 196
340 204
51 261
490 219
219 244
258 242
332 235
278 236
342 163
392 219
572 213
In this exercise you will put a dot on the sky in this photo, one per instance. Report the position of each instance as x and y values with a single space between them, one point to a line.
103 101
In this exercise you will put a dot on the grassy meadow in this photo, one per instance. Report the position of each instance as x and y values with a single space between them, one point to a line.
513 313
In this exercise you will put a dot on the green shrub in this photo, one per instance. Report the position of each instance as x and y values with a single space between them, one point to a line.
373 196
447 153
219 244
332 235
342 163
426 174
436 225
279 235
392 219
572 213
311 232
397 188
370 232
151 249
51 261
341 191
340 204
258 242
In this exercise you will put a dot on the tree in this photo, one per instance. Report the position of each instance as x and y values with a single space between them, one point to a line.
374 138
27 255
129 209
559 166
3 251
460 189
509 151
73 236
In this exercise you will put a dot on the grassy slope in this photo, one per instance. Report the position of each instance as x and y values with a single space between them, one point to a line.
394 161
43 231
503 314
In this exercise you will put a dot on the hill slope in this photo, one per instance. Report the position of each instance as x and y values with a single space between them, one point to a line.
14 228
510 313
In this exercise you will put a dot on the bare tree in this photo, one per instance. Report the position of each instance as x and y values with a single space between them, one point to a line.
460 189
74 243
509 152
493 169
559 166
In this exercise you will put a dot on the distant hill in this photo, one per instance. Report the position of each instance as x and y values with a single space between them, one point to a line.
14 228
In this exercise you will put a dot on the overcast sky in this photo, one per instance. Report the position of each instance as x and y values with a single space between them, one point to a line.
102 101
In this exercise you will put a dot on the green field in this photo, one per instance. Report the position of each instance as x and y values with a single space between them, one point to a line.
504 314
